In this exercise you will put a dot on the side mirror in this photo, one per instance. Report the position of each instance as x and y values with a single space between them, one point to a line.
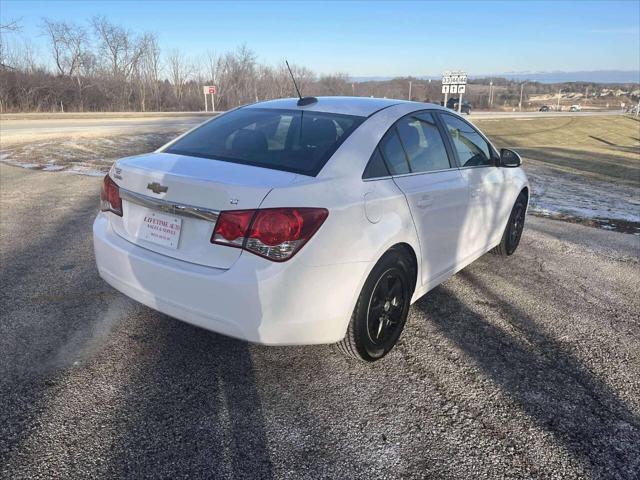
509 158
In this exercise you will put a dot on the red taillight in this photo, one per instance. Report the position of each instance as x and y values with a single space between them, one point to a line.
273 233
231 227
110 200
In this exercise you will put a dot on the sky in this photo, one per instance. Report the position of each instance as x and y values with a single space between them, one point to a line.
374 38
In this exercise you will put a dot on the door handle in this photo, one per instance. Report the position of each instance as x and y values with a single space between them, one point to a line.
425 202
475 193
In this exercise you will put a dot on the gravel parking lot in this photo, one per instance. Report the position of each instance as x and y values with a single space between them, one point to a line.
521 368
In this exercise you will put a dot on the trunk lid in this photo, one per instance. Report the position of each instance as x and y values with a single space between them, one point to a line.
170 202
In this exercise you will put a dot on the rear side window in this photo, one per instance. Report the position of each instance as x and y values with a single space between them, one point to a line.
472 149
291 140
394 154
423 143
376 166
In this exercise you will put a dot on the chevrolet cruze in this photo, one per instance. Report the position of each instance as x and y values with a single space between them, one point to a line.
308 221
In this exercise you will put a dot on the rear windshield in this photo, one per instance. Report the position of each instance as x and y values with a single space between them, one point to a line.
291 140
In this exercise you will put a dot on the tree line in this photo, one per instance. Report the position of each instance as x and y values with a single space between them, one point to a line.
105 67
102 66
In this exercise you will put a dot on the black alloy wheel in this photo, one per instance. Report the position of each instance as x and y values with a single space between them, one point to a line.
382 307
385 309
516 226
513 231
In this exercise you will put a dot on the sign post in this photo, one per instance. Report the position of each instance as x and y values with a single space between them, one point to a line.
454 82
209 90
445 90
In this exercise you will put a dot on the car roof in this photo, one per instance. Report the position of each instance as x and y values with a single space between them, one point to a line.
360 106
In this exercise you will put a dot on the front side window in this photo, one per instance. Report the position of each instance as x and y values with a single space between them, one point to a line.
472 149
423 143
291 140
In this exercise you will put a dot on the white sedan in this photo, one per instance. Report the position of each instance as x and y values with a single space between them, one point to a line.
306 222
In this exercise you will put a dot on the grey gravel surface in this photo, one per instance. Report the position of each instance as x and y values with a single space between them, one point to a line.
527 367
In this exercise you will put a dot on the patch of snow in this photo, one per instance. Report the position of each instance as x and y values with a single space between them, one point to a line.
25 165
52 168
85 170
555 193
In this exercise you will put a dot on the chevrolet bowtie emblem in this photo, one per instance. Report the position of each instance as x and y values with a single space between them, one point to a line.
155 187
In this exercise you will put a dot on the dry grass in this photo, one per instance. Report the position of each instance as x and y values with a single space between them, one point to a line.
582 169
602 148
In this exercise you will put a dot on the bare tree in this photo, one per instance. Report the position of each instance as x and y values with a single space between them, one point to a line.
179 73
121 52
70 48
150 71
236 77
9 26
336 84
212 64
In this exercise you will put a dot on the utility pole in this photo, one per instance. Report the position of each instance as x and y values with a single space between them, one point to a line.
491 93
521 92
409 90
558 107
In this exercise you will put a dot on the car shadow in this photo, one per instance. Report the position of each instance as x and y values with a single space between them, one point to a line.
549 384
192 408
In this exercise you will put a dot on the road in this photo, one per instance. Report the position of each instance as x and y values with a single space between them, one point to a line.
16 128
526 367
496 115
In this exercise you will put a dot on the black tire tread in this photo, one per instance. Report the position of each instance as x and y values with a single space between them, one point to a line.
347 346
501 248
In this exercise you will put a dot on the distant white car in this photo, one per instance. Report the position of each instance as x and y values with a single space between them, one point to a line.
281 223
575 108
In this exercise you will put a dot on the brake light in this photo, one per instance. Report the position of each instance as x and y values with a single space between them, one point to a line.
110 200
273 233
231 227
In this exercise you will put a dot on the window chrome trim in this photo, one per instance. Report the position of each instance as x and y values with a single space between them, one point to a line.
492 165
170 207
410 174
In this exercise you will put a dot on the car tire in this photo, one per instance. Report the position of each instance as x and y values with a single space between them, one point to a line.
513 231
382 308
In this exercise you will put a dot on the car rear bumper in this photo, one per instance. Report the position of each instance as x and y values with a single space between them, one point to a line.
255 300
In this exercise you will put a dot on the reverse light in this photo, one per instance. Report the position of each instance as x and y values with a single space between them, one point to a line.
273 233
110 200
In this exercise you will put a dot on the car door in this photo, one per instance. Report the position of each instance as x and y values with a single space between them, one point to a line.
418 160
486 185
